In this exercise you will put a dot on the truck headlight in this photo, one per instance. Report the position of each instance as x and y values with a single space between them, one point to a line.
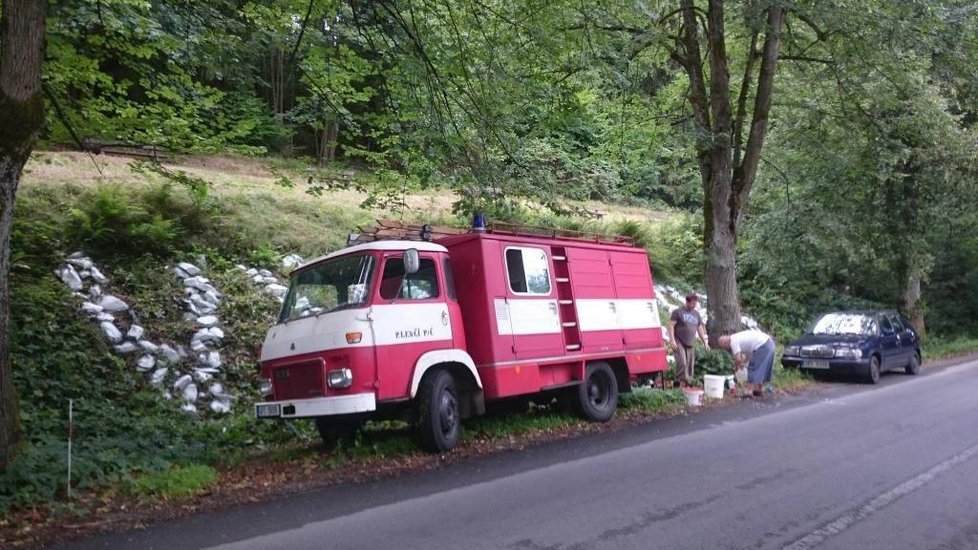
340 378
792 350
265 387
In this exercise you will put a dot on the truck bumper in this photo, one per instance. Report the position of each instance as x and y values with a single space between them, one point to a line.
319 406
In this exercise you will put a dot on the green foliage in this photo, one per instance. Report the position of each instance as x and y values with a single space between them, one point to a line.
110 221
714 361
648 400
940 348
175 482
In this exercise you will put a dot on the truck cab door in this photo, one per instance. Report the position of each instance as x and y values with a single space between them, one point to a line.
410 318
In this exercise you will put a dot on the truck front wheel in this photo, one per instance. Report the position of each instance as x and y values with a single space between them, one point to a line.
597 396
439 421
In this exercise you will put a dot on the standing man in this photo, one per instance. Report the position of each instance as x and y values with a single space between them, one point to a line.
684 325
756 349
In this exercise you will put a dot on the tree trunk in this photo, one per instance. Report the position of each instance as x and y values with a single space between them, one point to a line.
21 117
726 183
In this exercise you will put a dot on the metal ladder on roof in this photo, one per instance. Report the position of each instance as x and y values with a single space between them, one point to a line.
565 300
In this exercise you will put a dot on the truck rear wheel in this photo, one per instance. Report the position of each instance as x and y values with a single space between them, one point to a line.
597 396
439 421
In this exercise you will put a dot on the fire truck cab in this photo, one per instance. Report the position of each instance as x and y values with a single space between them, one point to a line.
428 331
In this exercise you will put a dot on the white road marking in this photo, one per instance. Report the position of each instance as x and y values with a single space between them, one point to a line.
846 521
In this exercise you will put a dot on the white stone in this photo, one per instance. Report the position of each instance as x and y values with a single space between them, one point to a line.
95 292
180 273
76 255
211 359
189 316
202 375
252 272
105 317
182 352
145 363
126 348
112 304
81 263
149 347
167 395
211 298
201 306
264 273
190 268
198 346
292 260
182 382
212 334
190 392
189 407
241 267
220 406
111 332
70 277
98 277
135 332
84 274
207 321
91 309
257 279
169 354
158 375
276 290
269 280
216 389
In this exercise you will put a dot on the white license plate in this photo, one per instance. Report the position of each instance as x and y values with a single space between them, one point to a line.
266 410
815 364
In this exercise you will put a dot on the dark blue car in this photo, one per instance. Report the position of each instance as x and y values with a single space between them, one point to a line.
864 343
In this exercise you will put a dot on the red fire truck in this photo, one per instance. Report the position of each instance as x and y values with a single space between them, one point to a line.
429 330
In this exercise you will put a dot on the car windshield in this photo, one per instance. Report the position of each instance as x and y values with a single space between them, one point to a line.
845 323
330 286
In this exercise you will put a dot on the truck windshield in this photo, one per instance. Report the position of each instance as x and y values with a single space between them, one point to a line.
330 286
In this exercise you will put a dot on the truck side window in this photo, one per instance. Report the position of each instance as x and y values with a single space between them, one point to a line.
529 271
395 285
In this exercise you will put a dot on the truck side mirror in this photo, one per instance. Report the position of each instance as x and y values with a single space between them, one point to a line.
411 261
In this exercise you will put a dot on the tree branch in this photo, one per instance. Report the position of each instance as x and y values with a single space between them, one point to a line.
745 173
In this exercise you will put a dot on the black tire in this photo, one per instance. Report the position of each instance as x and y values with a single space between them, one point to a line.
335 431
597 396
913 367
439 421
873 373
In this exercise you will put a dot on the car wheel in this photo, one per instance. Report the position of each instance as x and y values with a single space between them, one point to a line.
334 430
873 375
440 423
913 367
597 396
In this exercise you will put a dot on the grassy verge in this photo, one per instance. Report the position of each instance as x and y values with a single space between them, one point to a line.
941 348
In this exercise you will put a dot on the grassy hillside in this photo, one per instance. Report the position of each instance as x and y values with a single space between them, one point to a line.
133 221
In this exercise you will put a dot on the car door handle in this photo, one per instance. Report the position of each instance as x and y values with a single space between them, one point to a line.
553 308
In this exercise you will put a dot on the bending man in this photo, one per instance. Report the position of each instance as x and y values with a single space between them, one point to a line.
756 349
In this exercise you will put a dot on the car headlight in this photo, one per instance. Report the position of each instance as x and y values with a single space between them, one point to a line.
849 352
792 350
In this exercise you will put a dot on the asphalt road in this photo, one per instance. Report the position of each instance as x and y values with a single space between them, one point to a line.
847 466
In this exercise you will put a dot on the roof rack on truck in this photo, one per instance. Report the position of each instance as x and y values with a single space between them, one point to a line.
395 230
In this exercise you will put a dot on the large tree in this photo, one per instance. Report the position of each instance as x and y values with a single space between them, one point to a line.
728 164
21 117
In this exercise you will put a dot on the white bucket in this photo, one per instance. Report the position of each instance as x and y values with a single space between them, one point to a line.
713 384
693 396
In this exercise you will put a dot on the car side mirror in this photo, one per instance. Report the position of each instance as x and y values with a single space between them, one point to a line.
412 262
